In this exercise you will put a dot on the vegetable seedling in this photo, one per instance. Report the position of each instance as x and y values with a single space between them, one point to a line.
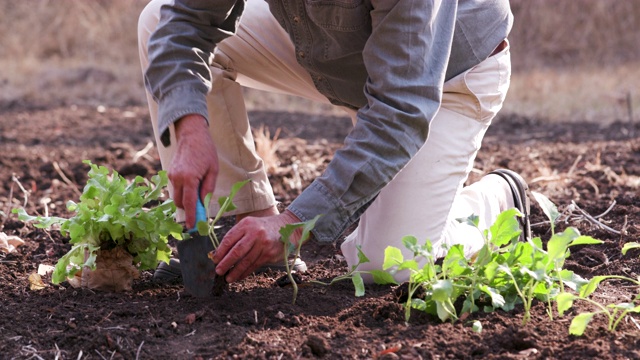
112 213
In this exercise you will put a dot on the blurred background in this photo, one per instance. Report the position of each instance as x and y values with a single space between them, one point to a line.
573 60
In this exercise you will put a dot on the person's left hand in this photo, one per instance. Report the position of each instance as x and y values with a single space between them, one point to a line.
251 243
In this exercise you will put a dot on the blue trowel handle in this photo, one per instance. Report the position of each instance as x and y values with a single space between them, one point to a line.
201 215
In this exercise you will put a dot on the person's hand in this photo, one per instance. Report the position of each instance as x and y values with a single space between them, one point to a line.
251 243
194 169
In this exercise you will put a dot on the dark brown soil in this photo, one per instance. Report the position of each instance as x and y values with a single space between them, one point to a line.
597 166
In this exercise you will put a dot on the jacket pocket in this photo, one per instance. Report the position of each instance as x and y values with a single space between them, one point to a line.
338 15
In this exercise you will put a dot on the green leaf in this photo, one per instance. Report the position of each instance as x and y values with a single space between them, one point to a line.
580 323
455 262
442 290
418 304
472 220
392 257
408 265
497 300
40 221
592 286
203 227
358 283
362 258
557 245
382 277
445 310
73 261
564 301
537 275
547 206
572 280
625 306
585 240
628 246
225 202
505 228
410 242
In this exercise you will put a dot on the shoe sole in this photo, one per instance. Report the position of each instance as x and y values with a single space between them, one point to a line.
519 189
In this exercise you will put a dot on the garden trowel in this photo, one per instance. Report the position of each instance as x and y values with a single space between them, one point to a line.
198 271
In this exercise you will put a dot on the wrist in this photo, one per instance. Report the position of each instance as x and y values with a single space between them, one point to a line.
192 123
291 218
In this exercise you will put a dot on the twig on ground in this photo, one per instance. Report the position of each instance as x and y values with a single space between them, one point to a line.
14 178
606 211
10 198
58 352
66 180
139 348
594 220
45 203
143 153
30 350
545 178
573 166
568 215
623 230
98 352
564 215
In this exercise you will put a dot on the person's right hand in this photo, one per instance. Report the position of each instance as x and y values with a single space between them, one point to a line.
194 166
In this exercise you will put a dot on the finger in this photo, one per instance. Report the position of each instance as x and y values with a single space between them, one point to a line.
177 195
246 266
189 199
208 185
241 248
228 241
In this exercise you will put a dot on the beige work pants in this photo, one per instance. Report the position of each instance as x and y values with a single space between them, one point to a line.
423 200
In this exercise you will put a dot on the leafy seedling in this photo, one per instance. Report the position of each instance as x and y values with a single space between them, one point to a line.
290 248
113 213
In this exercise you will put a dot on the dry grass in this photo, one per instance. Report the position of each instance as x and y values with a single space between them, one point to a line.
572 60
267 147
70 51
580 94
553 33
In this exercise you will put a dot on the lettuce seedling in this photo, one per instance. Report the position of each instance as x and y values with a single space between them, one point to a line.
112 212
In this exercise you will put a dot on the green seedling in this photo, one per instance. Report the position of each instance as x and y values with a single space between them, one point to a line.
226 205
354 275
614 312
113 212
504 273
292 249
